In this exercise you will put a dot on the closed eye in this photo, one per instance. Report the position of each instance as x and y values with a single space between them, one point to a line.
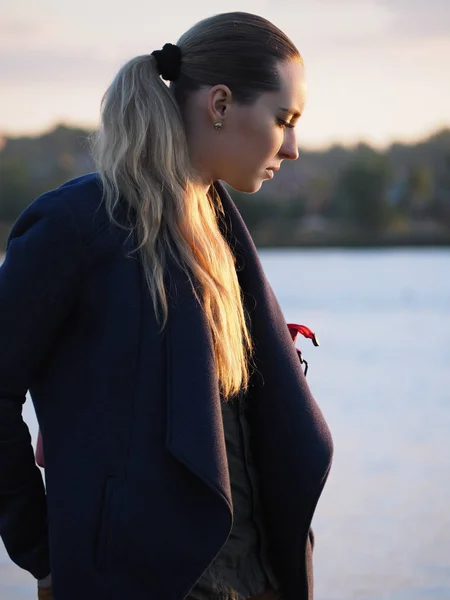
283 124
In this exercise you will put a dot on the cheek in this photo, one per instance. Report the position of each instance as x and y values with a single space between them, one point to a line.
261 140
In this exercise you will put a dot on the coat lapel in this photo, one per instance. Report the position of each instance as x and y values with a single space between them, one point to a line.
195 431
292 443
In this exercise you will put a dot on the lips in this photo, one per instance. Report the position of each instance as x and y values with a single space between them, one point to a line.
271 171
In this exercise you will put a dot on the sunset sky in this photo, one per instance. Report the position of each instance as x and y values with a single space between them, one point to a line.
377 70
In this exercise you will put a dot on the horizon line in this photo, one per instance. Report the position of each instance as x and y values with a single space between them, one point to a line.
311 147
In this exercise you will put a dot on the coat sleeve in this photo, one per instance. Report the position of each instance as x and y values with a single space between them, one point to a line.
39 279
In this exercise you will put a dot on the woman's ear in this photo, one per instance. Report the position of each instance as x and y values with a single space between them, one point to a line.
220 99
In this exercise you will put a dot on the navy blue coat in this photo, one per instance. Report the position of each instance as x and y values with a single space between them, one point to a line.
138 497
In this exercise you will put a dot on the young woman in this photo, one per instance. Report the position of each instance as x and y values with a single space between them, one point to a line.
184 452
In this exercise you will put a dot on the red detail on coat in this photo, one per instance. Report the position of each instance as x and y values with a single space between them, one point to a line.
295 329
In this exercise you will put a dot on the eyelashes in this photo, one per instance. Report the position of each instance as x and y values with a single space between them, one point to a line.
283 124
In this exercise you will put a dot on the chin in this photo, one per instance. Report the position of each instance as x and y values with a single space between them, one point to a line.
247 187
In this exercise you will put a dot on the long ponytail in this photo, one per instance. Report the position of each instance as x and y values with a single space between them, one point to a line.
142 157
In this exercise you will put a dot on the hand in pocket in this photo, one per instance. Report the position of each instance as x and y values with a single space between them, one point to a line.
45 588
45 593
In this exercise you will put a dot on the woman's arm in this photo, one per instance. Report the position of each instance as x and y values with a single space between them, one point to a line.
38 280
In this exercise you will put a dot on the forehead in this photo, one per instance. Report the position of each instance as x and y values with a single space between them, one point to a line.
292 92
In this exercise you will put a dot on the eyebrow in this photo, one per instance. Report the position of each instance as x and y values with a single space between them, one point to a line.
295 113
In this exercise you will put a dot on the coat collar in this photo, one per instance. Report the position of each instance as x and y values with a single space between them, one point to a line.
292 443
195 430
281 396
194 425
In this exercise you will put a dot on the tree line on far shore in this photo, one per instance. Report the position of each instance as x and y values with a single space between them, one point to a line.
339 196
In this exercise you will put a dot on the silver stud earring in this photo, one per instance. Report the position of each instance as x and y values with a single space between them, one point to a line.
218 125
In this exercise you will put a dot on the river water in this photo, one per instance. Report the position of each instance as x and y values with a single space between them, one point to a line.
382 378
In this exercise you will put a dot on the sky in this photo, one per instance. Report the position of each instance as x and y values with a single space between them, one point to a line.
377 71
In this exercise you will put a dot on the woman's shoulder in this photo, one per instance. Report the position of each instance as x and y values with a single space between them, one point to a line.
79 200
88 185
82 198
73 216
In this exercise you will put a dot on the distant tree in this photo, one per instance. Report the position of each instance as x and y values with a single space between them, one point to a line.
356 185
441 204
295 208
419 189
254 208
14 189
363 187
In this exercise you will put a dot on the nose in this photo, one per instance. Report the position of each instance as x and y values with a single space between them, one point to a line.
289 148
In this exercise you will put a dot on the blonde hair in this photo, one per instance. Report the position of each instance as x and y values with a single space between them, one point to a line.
142 156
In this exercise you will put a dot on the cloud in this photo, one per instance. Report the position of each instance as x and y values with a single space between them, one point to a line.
53 65
419 18
43 52
12 28
408 18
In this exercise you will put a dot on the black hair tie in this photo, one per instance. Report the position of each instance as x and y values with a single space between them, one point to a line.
169 61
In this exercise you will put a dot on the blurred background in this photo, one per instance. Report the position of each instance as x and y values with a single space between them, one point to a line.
354 237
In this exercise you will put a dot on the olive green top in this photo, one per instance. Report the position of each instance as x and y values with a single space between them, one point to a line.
242 568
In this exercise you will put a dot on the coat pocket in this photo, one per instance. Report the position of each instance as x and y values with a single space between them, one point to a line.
105 533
